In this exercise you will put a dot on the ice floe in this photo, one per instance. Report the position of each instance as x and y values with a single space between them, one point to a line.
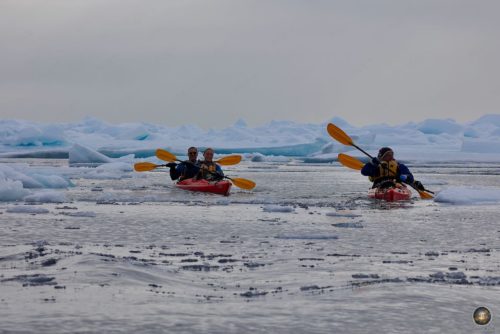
277 208
469 195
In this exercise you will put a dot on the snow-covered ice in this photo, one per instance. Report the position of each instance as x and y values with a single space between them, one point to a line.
92 141
469 195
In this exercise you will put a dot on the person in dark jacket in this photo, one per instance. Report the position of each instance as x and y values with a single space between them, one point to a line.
384 171
186 169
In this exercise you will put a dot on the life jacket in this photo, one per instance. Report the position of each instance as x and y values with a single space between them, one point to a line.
386 171
207 168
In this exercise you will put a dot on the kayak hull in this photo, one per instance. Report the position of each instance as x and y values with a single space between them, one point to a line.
391 194
214 187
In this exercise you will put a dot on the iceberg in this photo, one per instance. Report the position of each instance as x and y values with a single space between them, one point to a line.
11 190
46 196
83 156
92 142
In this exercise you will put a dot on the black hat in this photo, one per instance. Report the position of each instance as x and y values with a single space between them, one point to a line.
383 151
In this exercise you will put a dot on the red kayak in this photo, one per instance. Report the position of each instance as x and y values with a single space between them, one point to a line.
391 194
215 187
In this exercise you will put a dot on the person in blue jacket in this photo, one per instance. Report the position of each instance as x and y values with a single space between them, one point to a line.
384 171
186 169
209 170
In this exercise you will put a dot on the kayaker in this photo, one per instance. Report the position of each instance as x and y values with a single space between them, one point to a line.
209 170
384 171
186 169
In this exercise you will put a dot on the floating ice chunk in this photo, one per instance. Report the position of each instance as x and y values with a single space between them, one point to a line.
79 154
112 171
79 214
277 208
115 167
11 190
51 181
27 209
8 172
433 182
257 157
469 195
349 225
341 214
47 196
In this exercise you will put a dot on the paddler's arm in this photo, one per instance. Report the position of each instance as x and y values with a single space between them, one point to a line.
371 168
405 175
174 174
218 170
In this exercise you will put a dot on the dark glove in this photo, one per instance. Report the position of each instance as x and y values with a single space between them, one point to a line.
403 177
375 161
171 165
418 185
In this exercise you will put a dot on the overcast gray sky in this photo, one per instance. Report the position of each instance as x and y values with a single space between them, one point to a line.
212 62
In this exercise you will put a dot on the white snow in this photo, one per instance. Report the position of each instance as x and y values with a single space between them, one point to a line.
469 195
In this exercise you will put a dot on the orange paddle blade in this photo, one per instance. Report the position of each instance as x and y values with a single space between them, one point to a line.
350 162
339 135
424 195
165 155
243 183
229 160
144 166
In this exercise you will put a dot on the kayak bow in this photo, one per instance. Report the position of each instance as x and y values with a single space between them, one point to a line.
215 187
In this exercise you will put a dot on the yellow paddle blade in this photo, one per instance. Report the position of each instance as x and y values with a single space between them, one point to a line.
424 195
243 183
339 135
350 162
165 155
144 166
229 160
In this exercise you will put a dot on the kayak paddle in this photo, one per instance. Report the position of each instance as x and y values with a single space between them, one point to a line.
225 161
338 134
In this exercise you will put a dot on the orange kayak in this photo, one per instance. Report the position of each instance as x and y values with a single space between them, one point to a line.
391 194
215 187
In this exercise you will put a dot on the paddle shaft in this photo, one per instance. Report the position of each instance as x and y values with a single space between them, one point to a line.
359 148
